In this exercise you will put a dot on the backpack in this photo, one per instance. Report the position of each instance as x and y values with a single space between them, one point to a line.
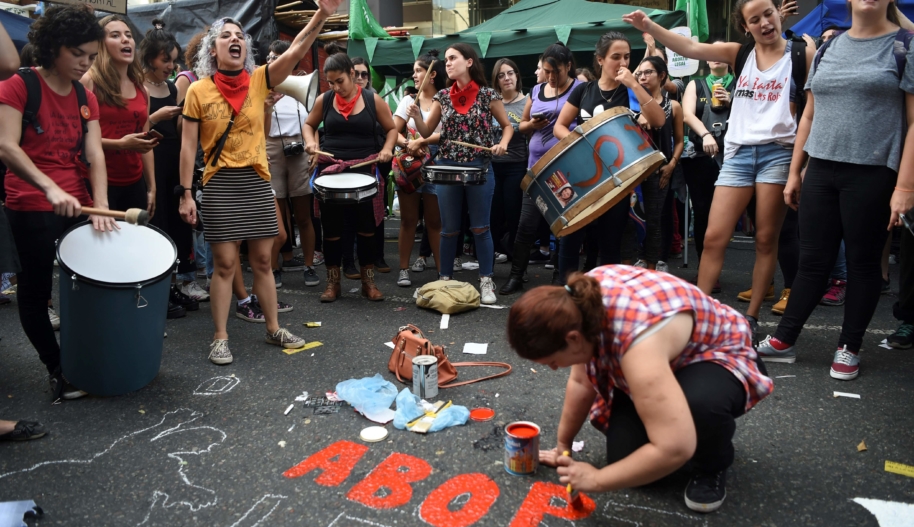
797 70
33 103
715 121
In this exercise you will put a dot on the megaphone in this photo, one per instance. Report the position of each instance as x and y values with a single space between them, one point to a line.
303 88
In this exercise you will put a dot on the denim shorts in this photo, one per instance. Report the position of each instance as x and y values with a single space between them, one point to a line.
769 163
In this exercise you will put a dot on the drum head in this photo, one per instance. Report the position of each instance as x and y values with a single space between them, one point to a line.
130 255
345 181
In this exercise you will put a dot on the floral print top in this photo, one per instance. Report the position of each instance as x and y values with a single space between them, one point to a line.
476 127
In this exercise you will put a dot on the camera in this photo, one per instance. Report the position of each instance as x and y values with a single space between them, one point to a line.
293 149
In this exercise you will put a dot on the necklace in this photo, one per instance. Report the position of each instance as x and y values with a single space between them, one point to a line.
613 94
156 84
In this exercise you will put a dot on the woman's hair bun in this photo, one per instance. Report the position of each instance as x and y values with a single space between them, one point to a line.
333 48
158 23
433 52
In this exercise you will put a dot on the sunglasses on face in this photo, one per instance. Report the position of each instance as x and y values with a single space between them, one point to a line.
271 57
502 75
362 74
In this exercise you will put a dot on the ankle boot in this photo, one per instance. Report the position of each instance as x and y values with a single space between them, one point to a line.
518 268
369 290
333 290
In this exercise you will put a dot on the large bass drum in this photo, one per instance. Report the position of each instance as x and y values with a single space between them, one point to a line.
114 289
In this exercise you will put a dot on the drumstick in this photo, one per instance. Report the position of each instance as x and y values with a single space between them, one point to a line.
131 216
425 79
364 163
328 154
470 145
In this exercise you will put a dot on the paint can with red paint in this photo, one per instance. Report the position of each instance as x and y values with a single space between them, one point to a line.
522 448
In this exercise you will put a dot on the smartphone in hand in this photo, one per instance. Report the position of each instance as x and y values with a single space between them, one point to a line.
153 134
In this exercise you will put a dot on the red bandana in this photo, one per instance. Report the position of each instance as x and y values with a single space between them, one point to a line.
345 108
233 88
461 100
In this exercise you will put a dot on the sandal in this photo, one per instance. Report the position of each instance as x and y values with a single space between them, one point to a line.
24 431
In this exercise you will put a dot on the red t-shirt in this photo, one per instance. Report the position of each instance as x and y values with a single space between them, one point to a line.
125 167
55 152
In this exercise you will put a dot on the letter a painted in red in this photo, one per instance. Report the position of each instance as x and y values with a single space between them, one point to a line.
538 504
482 494
334 472
393 474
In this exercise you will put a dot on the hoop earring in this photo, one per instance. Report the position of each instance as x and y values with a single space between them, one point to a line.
747 34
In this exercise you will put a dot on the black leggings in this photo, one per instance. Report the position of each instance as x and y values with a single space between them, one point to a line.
840 200
333 218
716 398
700 175
132 196
789 248
35 234
904 308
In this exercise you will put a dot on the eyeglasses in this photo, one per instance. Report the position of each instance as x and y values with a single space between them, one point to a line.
271 57
509 73
644 73
362 74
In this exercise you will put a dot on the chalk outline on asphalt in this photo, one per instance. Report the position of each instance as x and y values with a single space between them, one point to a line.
231 383
353 518
606 512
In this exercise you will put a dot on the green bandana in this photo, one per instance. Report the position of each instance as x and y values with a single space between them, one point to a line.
725 80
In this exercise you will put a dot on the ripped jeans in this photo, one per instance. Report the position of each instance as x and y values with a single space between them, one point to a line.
479 204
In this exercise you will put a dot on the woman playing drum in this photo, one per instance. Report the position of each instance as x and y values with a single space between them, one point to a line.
226 113
616 87
660 368
350 115
466 113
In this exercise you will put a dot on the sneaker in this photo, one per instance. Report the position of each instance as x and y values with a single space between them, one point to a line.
837 291
403 280
553 261
902 338
781 306
419 265
209 282
24 431
538 257
663 267
746 295
62 389
55 320
846 365
201 272
250 312
458 266
179 298
311 278
487 288
886 286
381 266
501 257
297 263
193 290
281 307
640 263
219 352
706 491
318 258
351 272
175 311
773 350
282 337
277 277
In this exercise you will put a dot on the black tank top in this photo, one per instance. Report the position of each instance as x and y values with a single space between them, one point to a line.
354 138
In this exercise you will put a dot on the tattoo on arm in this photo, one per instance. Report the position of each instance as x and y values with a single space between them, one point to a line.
304 36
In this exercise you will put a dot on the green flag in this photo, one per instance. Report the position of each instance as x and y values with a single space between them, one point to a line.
563 32
483 38
370 44
698 17
416 42
362 24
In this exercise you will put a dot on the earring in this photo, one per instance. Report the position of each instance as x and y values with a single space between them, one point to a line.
747 33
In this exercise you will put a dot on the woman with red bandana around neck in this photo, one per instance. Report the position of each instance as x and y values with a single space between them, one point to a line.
226 113
466 113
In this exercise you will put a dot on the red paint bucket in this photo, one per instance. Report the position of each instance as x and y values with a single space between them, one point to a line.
522 448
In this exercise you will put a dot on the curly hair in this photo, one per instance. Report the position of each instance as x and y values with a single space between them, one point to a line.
206 63
68 26
193 47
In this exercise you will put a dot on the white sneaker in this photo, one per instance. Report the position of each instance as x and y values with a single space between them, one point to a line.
318 258
457 265
55 320
663 267
419 265
487 288
403 280
640 263
501 257
193 290
219 352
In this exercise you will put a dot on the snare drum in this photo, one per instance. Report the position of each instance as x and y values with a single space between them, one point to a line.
114 289
589 171
345 188
455 175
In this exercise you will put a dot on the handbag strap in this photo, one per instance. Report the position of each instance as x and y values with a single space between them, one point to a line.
427 346
504 365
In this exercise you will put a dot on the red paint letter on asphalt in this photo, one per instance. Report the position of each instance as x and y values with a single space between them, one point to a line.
334 472
482 493
538 504
393 474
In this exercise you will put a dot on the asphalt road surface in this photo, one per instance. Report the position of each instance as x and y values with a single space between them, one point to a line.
204 445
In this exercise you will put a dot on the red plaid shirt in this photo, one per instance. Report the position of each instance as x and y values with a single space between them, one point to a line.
635 300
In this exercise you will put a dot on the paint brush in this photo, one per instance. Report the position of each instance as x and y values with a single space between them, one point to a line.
574 497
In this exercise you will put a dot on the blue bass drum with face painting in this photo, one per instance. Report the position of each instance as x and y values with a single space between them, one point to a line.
592 169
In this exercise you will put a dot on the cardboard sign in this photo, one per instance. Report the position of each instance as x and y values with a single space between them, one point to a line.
678 65
110 6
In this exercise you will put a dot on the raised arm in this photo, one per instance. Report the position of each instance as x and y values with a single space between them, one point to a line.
282 67
9 57
427 127
718 51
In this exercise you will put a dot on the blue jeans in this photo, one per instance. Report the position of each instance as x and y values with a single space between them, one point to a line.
611 226
203 253
751 164
479 203
839 272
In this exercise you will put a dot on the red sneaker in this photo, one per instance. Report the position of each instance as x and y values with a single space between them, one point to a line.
846 365
837 291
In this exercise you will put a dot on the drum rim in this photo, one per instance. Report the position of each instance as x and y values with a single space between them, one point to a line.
454 168
324 188
109 285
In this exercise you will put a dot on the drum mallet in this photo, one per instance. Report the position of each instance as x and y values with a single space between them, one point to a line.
470 145
131 216
425 79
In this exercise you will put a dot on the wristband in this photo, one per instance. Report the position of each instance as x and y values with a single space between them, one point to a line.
902 189
704 134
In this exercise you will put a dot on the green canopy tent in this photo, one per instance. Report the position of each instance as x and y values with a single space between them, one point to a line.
521 33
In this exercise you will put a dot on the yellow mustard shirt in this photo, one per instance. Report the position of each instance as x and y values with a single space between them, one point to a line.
246 143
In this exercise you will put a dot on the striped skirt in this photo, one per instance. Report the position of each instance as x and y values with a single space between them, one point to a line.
238 205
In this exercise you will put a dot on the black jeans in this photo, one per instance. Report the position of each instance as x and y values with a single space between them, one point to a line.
700 175
904 308
840 200
131 196
789 248
716 398
35 234
334 217
611 225
506 205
